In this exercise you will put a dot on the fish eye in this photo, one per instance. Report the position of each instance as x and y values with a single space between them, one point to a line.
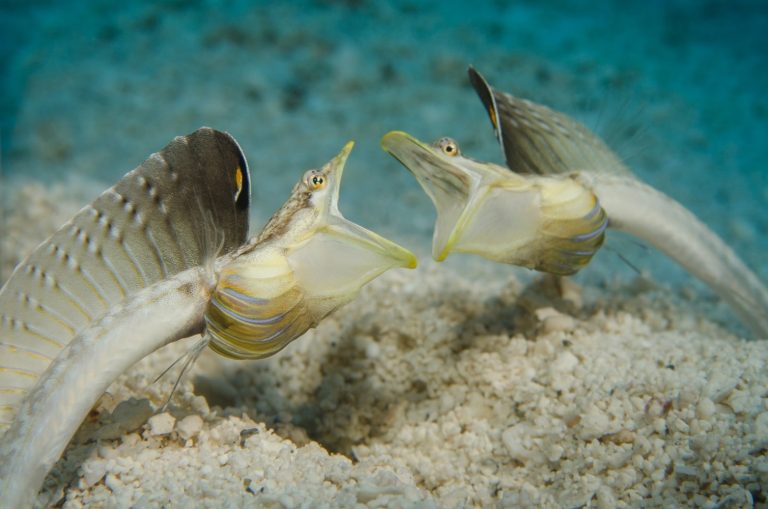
448 146
315 180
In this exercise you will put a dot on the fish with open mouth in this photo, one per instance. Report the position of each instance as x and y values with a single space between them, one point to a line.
550 208
163 255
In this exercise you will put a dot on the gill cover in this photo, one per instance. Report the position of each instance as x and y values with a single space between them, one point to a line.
257 308
308 261
148 227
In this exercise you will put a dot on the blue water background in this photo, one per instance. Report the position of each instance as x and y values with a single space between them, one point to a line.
677 87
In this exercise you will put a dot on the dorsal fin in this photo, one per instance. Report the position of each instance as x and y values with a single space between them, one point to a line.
146 228
538 140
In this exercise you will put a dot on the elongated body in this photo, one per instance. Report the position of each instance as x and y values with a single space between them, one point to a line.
563 180
639 209
56 406
249 303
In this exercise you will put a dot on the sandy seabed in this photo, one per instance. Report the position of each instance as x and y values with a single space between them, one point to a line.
441 388
456 385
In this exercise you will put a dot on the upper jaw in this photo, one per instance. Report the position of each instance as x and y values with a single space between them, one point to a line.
439 175
335 170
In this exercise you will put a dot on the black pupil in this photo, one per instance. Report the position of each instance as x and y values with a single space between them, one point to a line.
317 180
449 148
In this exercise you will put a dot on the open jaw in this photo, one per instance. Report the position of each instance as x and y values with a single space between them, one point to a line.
338 257
311 261
481 208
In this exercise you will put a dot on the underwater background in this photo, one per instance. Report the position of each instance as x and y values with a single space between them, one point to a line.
676 87
462 384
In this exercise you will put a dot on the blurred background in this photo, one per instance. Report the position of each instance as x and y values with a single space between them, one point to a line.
90 89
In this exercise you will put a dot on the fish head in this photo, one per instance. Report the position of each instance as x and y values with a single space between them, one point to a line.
308 261
481 208
551 224
332 256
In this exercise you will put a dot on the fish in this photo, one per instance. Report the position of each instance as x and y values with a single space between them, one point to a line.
148 227
562 190
163 255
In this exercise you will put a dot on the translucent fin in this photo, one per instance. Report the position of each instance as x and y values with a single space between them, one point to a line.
538 140
144 229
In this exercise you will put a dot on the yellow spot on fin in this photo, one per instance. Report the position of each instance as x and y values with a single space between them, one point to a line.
238 182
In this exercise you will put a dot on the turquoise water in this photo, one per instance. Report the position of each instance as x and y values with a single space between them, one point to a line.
677 87
90 89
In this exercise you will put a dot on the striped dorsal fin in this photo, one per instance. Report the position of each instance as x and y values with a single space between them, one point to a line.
539 140
159 219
